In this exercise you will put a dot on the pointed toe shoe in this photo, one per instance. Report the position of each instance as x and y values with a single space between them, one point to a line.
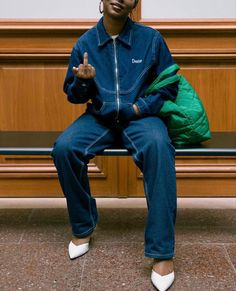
77 251
162 283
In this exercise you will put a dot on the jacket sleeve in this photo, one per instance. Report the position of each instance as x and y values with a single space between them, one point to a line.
78 90
152 103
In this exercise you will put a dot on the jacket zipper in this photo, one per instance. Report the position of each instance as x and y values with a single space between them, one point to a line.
116 81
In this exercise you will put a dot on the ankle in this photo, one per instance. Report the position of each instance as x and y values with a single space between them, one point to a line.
80 240
163 267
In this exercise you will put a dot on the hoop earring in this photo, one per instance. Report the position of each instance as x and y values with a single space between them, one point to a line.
101 7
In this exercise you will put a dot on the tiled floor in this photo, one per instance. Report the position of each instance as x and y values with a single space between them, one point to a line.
33 250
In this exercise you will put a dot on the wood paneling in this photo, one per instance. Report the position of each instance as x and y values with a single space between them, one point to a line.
118 177
216 87
32 98
34 57
33 60
22 176
196 176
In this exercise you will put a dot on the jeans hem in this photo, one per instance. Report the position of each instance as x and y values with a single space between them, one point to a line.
159 256
84 234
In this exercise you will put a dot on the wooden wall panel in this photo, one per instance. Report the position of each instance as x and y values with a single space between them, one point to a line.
22 176
196 177
216 87
34 58
118 177
32 98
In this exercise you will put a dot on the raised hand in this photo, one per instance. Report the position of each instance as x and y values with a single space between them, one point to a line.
85 70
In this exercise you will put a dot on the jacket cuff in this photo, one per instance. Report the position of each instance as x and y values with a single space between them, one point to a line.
143 107
127 112
81 87
82 83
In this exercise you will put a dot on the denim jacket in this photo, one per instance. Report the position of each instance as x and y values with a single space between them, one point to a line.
125 67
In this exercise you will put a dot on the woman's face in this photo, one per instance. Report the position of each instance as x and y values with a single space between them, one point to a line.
118 8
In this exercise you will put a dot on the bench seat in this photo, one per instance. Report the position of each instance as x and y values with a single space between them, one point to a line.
41 143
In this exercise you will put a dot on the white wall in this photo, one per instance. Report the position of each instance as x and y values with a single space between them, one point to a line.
49 9
189 9
89 8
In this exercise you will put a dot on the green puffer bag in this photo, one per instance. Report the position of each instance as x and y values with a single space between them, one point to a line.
186 117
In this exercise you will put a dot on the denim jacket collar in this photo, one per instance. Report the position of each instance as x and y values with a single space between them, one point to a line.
125 36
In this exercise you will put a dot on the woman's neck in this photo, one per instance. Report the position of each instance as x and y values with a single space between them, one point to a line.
113 26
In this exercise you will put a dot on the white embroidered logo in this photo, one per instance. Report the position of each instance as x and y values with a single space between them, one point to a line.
136 61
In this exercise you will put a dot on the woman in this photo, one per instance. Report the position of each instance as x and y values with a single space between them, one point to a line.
110 67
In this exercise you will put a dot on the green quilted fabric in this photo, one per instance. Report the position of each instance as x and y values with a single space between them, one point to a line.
186 117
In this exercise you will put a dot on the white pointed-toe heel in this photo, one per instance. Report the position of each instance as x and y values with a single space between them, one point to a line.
77 251
162 283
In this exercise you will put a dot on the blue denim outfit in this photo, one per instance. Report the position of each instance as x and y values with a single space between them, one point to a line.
125 67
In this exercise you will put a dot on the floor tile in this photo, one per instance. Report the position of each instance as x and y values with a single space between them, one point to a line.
33 251
203 267
39 267
205 234
116 267
206 217
47 225
46 232
48 215
231 251
123 267
206 226
12 224
121 225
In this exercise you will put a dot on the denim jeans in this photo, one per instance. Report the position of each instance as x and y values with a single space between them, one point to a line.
148 141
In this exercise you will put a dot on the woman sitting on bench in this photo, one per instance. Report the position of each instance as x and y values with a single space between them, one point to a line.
112 65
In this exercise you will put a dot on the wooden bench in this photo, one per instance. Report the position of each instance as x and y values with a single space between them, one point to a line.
222 145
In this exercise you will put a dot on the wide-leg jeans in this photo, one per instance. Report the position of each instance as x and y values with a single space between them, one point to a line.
148 141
